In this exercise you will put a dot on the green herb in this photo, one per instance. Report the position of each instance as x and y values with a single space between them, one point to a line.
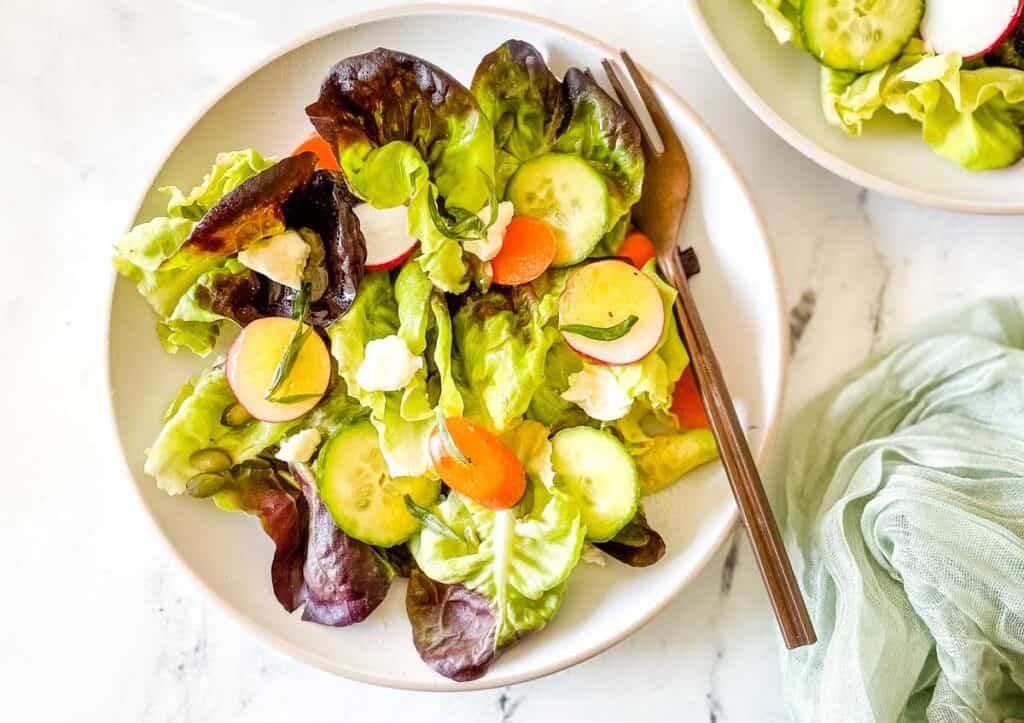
294 398
430 520
446 439
459 224
598 333
291 352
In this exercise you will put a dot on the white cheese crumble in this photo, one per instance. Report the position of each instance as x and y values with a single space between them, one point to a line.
596 390
592 556
299 447
281 258
487 249
388 365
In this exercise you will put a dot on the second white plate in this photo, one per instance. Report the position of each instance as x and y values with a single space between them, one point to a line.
780 84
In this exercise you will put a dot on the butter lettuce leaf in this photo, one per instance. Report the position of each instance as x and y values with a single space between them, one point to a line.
503 338
533 113
412 309
970 116
144 256
194 422
519 558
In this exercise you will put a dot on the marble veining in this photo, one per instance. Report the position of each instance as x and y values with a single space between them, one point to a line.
93 92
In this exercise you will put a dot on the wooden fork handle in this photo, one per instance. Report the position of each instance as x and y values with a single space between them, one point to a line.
755 510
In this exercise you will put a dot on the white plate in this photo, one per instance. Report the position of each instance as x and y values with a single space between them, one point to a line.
228 553
780 84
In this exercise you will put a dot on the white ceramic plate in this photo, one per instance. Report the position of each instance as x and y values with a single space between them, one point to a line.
780 84
228 553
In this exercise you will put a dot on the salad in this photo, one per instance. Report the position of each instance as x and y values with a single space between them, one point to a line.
955 67
452 358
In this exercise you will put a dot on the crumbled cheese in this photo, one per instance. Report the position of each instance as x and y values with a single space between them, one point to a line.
486 249
299 447
281 258
596 390
388 365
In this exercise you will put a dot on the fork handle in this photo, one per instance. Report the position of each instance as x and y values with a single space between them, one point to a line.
755 510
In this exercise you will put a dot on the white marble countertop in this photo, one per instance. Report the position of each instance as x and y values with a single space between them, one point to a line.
99 624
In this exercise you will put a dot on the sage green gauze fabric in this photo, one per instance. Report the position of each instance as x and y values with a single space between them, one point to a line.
903 509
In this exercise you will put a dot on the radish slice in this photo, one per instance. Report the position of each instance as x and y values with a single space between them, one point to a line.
388 242
617 307
254 358
969 27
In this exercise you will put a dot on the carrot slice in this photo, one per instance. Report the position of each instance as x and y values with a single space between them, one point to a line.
489 472
527 252
686 402
322 149
637 248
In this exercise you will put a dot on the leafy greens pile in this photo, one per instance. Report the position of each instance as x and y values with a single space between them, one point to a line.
406 133
970 112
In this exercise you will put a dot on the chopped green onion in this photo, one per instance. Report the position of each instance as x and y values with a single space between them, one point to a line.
291 352
430 520
598 333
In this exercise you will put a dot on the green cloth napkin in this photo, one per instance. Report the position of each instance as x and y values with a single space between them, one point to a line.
903 509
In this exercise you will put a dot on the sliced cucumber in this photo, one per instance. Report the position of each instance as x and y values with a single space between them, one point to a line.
597 468
365 502
565 191
859 35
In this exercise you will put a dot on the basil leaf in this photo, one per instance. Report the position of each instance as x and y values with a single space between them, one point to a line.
429 519
597 333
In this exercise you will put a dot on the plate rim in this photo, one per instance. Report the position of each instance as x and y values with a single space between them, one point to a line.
826 159
239 616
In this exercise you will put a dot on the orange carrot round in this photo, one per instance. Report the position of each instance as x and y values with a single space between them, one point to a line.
325 157
686 402
527 252
488 473
637 248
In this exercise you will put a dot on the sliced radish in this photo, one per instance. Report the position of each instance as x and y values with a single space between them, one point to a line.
600 300
388 242
969 27
253 359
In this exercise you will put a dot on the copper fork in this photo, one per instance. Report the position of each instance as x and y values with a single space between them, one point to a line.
659 213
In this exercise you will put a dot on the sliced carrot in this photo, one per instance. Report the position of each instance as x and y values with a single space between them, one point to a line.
322 149
527 252
489 473
686 402
637 248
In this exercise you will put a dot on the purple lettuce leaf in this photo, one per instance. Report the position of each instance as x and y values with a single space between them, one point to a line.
343 579
453 627
636 545
258 490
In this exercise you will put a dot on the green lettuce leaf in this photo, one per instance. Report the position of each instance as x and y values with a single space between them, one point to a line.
503 338
228 172
972 117
171 289
404 130
533 113
413 310
519 558
547 405
194 422
783 17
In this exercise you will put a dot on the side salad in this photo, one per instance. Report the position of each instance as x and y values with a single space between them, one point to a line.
455 361
955 67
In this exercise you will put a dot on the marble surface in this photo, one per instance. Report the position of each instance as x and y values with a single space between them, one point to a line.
98 622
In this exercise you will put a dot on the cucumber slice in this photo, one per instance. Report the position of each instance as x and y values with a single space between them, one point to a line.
859 35
597 468
566 192
365 502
